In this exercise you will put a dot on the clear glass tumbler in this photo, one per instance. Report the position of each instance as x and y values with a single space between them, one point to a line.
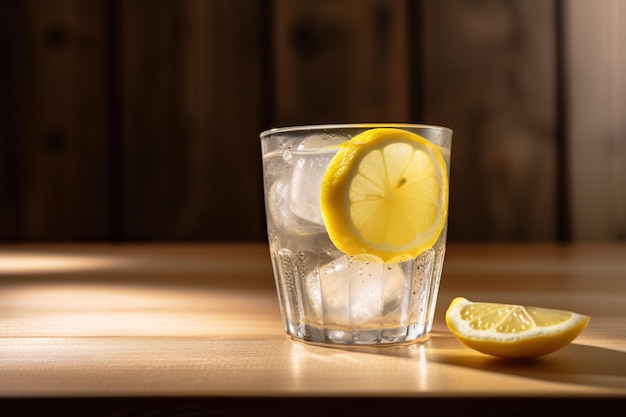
327 296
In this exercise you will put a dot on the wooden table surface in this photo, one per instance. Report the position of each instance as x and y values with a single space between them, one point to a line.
201 323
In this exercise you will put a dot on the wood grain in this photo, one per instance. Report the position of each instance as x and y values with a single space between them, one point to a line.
138 120
597 159
60 133
202 321
489 74
338 62
191 81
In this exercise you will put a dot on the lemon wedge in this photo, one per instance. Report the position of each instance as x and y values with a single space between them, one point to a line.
385 193
512 331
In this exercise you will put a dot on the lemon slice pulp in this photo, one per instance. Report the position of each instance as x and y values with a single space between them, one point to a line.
512 331
385 193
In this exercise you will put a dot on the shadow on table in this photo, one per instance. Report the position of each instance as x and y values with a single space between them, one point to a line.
573 364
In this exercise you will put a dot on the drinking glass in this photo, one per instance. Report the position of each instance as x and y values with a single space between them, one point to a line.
327 296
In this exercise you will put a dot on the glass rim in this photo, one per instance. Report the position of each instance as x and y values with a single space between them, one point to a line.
298 128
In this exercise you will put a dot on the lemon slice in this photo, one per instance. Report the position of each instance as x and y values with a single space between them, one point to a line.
512 331
385 193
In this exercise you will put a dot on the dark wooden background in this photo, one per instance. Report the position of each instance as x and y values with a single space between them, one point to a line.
127 120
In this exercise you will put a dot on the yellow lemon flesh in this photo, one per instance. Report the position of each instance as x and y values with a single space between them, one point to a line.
385 193
512 331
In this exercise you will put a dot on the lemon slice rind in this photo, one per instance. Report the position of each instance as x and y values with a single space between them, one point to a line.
483 332
355 169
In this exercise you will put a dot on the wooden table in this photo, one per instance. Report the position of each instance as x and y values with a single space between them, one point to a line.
196 327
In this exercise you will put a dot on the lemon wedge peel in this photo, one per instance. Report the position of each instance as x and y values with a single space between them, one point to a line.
512 331
385 193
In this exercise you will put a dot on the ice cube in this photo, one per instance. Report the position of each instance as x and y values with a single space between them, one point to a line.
355 290
306 183
278 197
282 215
321 141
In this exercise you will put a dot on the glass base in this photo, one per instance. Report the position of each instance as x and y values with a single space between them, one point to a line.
359 337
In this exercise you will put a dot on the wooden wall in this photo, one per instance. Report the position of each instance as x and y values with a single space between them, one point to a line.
596 88
490 73
133 120
139 119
